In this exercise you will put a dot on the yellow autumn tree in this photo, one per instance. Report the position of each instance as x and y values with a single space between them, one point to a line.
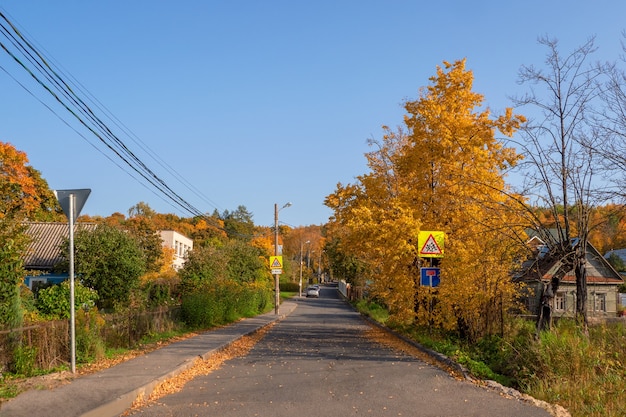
444 173
24 195
376 225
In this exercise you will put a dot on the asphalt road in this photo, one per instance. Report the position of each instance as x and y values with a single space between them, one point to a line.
319 362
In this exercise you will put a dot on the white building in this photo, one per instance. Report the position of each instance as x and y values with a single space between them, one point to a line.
181 245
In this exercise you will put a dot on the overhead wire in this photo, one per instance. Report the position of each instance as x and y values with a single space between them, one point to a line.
63 94
81 134
119 151
146 148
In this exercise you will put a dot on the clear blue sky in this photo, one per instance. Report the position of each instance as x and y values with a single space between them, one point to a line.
261 102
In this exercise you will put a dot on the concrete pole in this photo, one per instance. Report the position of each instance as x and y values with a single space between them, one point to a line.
72 308
276 276
300 285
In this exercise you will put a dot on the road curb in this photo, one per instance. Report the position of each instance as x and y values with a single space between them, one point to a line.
119 405
438 357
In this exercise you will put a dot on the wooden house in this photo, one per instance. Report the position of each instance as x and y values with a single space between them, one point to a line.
603 283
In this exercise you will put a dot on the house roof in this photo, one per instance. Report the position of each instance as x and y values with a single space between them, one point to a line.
599 270
44 249
619 252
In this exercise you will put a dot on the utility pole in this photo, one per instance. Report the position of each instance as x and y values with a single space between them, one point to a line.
277 276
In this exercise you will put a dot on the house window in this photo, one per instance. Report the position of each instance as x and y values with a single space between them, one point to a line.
38 283
559 301
600 302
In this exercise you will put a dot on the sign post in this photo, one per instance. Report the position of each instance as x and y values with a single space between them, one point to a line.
72 202
276 254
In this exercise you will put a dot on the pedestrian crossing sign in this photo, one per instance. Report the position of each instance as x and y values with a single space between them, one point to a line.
430 244
276 262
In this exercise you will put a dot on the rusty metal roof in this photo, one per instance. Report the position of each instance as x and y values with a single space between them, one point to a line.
44 249
598 268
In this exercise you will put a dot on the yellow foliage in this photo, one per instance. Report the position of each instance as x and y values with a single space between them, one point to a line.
444 173
264 242
167 270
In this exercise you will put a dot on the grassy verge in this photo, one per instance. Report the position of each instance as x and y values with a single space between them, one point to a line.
285 295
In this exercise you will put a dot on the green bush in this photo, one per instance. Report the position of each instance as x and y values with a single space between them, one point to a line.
108 260
160 292
54 302
89 342
24 358
11 274
200 310
291 286
223 302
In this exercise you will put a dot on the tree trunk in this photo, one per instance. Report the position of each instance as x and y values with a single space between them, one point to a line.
544 321
580 270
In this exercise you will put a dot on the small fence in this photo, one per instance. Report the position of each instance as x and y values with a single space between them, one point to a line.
47 345
126 330
351 292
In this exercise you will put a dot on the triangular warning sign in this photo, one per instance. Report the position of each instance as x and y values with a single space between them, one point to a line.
276 262
431 247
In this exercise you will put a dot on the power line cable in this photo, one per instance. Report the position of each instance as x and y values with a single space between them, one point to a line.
114 143
85 138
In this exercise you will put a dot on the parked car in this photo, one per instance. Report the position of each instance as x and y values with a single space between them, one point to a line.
312 292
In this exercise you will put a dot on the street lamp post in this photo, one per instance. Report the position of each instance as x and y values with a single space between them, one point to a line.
319 268
277 276
308 257
300 286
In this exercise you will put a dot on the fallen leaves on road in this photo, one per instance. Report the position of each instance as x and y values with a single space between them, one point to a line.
200 367
394 342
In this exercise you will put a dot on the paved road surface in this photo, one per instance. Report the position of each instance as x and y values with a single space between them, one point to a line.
319 362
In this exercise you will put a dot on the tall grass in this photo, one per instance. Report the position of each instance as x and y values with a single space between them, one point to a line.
586 375
373 310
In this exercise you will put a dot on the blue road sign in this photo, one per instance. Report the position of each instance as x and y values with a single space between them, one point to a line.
429 277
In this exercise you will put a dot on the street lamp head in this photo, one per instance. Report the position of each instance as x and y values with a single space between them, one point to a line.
287 205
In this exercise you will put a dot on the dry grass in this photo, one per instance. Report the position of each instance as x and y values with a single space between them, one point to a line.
585 373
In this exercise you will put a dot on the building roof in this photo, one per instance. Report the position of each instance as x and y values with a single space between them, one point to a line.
44 249
619 252
599 270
